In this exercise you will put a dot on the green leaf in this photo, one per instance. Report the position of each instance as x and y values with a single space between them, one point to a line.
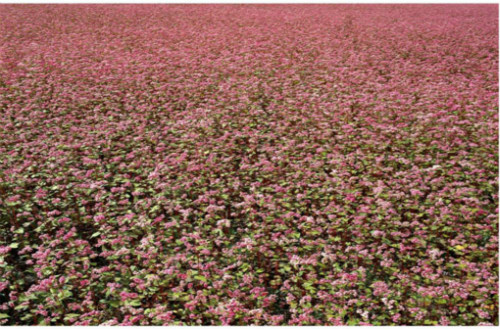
47 271
20 230
4 316
71 316
20 307
201 278
114 303
134 303
352 322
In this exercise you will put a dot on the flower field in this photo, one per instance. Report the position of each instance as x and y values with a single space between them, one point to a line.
249 164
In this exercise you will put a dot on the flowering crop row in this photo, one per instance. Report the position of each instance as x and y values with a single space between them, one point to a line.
249 164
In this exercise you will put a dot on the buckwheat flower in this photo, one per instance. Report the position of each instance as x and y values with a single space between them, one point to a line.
364 314
444 321
482 314
379 288
170 224
127 295
420 315
435 253
168 316
4 250
416 192
205 252
99 217
395 318
386 263
295 260
304 299
111 322
224 223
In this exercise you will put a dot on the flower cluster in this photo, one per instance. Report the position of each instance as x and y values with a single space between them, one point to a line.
249 164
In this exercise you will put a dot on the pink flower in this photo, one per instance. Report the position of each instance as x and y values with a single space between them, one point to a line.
128 295
4 250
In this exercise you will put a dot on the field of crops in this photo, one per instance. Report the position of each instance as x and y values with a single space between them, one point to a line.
249 164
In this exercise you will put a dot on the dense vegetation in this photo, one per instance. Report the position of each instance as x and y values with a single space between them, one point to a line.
249 164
